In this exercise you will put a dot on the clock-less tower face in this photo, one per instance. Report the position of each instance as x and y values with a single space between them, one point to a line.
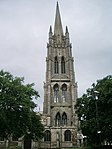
60 89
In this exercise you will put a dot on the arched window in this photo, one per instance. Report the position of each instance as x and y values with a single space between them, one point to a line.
64 119
67 135
58 119
47 135
62 65
56 65
64 92
56 92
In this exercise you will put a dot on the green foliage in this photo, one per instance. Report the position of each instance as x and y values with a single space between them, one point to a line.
95 114
17 115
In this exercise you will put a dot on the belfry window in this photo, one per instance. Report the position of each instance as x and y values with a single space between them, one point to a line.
62 65
56 65
57 119
67 135
47 135
64 92
64 119
56 92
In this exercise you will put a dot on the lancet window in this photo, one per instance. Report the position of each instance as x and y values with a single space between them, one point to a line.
67 135
56 92
62 65
64 119
47 135
64 92
58 119
56 65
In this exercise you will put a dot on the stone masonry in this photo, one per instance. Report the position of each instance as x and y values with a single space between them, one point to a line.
60 90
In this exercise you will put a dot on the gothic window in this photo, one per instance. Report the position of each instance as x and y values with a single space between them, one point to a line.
64 92
62 65
67 135
56 92
56 65
47 135
58 119
58 136
64 119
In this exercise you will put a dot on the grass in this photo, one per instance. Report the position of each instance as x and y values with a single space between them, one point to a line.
12 147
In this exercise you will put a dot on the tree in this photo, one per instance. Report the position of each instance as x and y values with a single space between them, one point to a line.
17 116
94 110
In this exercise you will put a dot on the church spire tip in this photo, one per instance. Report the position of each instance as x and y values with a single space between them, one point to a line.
57 5
58 30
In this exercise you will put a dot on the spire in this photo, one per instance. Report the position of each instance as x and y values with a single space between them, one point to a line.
58 30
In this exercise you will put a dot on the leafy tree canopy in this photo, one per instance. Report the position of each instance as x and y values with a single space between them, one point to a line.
94 110
17 116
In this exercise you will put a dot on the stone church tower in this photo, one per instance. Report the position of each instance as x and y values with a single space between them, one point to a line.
60 89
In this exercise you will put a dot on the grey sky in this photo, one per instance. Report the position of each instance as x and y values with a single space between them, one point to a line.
24 26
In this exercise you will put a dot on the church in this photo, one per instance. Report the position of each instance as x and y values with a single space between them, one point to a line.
60 93
60 90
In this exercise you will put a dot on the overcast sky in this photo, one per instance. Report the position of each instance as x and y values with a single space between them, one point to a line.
24 26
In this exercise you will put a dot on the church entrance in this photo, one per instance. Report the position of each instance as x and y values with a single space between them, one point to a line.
27 142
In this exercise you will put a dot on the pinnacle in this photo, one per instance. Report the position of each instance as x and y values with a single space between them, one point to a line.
66 29
50 30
